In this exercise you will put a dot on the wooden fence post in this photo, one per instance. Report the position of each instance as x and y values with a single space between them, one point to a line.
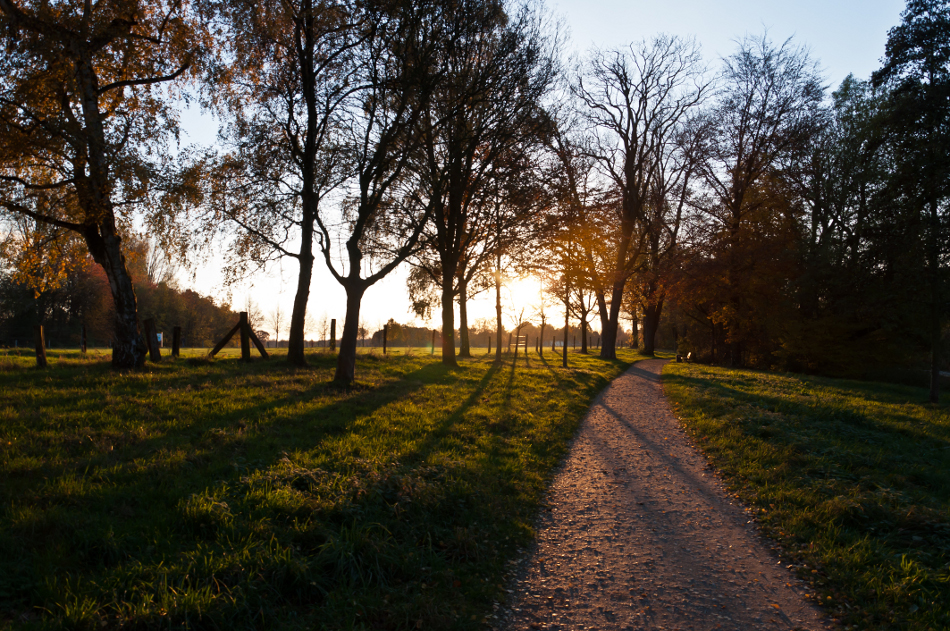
151 340
82 339
245 338
509 341
489 345
333 334
432 352
526 346
385 333
552 343
176 341
40 346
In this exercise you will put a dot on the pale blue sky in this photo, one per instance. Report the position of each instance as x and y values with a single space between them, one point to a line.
845 36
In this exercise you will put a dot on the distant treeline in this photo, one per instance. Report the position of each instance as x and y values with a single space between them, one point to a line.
413 336
82 298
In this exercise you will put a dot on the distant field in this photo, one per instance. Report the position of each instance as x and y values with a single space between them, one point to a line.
851 478
26 356
225 495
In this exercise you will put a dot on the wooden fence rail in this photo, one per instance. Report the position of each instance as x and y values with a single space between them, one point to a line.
247 336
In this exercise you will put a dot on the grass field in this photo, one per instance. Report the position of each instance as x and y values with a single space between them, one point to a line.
224 495
852 480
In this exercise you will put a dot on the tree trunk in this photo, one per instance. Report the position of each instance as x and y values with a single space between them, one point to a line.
635 332
346 360
608 349
541 338
651 322
733 327
105 246
94 190
602 310
498 326
584 334
296 343
448 322
464 344
567 325
933 256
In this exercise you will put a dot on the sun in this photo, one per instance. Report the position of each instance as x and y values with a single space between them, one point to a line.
522 294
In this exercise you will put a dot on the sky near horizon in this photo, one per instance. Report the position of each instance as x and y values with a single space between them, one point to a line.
844 36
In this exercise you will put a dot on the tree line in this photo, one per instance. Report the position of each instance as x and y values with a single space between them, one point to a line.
76 300
768 222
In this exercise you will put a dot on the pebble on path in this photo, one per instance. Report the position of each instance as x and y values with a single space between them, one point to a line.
640 534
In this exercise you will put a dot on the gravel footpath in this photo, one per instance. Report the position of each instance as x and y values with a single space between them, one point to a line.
640 534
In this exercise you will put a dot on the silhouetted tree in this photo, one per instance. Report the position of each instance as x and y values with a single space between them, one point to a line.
83 123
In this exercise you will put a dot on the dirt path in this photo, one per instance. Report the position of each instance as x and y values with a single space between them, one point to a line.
641 535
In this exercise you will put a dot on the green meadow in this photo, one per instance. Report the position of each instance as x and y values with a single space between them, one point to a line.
224 495
851 479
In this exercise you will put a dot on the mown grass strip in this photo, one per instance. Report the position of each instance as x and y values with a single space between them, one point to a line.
852 479
237 496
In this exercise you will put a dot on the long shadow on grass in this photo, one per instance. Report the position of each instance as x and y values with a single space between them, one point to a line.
333 418
436 434
564 382
829 412
885 453
139 475
142 500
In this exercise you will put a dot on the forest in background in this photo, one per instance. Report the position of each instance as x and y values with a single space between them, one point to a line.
79 296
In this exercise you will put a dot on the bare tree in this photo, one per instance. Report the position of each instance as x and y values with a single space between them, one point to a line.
516 315
484 117
634 101
541 311
254 316
311 326
160 268
276 320
582 302
324 328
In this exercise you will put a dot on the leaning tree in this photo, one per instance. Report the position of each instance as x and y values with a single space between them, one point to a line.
84 119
